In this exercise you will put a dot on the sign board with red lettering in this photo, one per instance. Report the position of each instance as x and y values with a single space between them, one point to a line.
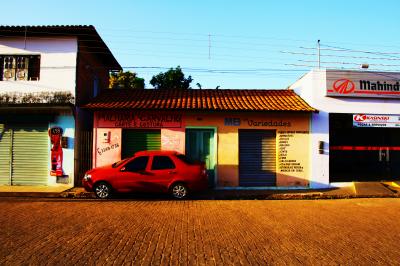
366 120
340 83
138 119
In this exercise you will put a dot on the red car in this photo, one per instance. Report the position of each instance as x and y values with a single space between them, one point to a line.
148 171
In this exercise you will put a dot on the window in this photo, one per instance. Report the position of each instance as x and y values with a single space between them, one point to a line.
162 162
137 164
185 159
19 67
116 164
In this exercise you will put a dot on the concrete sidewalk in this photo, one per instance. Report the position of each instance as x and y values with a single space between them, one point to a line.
354 190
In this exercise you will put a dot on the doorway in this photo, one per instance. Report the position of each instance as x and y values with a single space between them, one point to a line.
362 153
199 146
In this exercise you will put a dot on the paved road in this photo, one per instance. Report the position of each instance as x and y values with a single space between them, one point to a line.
162 232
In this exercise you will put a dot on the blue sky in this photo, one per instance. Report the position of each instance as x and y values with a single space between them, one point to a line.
253 44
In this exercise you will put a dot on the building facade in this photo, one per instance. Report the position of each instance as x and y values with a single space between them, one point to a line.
247 138
46 73
355 134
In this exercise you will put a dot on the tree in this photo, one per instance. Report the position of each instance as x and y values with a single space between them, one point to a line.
125 80
171 79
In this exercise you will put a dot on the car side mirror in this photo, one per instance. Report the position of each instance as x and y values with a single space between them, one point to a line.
123 169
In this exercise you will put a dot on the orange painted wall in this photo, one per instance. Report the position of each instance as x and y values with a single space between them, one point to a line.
292 143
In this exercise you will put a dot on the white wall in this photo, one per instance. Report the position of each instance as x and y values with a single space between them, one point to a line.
57 63
312 88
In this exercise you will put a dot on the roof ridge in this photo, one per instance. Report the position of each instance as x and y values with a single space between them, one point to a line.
221 100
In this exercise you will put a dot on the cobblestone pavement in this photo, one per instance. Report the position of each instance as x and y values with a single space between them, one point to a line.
230 232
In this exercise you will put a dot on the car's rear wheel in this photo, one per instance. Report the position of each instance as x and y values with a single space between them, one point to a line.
179 191
102 190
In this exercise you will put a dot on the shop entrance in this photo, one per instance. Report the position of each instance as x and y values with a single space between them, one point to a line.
362 153
199 146
257 158
134 140
24 154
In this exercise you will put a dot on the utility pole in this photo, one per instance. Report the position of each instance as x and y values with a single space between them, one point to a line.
319 54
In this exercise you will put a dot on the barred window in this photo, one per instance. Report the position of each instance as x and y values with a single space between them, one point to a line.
19 67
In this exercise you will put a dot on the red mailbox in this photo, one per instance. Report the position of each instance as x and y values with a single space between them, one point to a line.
55 134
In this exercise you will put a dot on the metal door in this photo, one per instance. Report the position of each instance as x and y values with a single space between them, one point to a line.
5 155
199 146
257 158
30 154
139 140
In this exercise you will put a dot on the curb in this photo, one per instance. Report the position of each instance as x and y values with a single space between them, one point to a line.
209 196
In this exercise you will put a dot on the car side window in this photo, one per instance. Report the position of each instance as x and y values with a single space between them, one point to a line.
162 163
137 164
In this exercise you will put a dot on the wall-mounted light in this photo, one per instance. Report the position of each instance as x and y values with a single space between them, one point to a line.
321 147
364 66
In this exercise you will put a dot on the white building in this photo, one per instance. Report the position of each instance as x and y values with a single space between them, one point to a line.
356 134
46 73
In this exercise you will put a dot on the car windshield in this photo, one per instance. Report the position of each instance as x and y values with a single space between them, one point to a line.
114 165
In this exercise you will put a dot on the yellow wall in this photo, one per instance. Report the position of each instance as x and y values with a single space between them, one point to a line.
292 144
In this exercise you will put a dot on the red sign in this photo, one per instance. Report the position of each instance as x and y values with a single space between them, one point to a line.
344 86
343 83
55 134
134 119
360 118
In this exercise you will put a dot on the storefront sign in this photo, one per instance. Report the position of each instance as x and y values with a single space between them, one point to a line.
267 123
132 119
364 120
362 84
55 134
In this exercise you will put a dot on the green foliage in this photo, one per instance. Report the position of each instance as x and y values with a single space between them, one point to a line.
171 79
125 80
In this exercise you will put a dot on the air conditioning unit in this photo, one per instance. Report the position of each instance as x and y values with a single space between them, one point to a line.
22 74
8 74
22 68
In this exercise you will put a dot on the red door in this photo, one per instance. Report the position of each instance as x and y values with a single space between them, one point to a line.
161 173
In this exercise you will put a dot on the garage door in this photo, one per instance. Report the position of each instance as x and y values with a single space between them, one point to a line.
139 140
5 155
24 154
30 155
257 158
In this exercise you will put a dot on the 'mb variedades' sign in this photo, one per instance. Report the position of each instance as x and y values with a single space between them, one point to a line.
362 84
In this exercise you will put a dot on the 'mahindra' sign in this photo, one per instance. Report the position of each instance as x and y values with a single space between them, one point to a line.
362 84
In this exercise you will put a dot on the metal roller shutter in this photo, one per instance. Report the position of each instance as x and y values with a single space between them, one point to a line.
257 158
30 155
139 140
5 155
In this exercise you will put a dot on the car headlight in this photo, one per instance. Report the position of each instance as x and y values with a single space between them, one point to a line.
87 177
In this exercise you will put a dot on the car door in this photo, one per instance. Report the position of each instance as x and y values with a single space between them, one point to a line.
132 175
162 171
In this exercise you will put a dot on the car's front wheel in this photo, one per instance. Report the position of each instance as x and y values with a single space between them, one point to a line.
179 191
102 190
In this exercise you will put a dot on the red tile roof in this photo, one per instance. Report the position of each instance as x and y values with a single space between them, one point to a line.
195 99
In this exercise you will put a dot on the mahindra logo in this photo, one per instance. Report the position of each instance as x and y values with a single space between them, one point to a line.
360 118
344 86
